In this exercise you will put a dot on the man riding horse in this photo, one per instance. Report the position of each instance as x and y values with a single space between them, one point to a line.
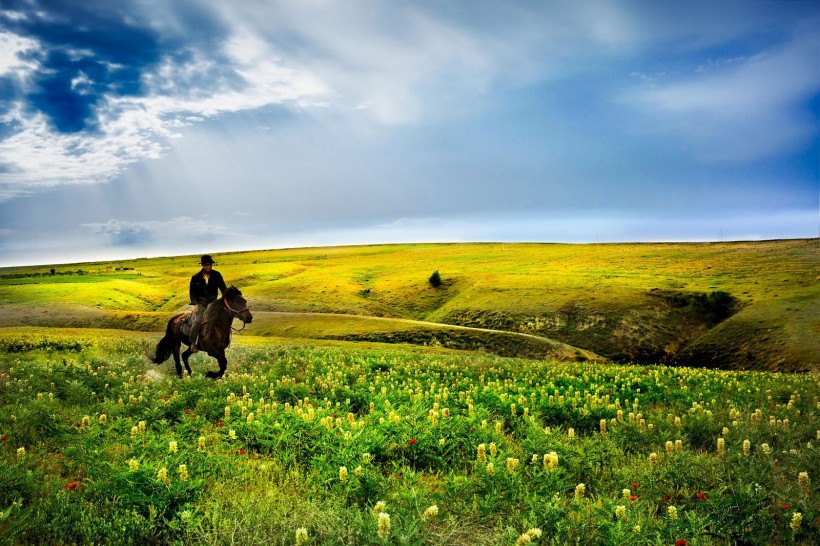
204 289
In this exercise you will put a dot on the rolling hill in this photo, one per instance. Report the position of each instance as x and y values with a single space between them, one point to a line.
739 305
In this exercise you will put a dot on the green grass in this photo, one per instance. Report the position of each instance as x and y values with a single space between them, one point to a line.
406 422
600 298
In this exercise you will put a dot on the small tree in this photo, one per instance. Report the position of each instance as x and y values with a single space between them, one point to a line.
435 279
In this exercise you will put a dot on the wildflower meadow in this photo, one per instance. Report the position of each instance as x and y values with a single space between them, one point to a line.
397 445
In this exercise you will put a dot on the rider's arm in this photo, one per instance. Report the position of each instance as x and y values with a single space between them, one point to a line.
191 290
222 286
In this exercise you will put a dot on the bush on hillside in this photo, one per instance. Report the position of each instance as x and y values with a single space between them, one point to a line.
435 279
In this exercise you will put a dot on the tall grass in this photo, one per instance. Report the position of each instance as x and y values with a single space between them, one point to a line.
326 438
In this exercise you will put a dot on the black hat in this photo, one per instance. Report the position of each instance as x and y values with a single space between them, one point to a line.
206 259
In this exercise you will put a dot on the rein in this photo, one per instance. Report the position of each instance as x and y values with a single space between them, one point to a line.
235 314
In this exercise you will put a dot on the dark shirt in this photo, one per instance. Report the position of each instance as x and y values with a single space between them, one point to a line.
203 293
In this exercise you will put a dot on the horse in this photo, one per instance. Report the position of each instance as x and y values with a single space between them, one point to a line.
214 337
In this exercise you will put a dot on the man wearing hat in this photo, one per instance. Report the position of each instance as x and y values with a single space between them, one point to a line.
204 289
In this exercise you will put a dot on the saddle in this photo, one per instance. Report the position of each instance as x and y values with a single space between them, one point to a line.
185 319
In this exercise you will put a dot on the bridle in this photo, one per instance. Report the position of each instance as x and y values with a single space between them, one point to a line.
235 314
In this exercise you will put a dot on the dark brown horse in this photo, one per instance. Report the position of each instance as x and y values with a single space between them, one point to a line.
214 337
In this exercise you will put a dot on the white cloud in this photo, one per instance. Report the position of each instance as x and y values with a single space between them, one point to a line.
11 46
134 129
739 109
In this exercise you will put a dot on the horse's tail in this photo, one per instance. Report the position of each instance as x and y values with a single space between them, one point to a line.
166 345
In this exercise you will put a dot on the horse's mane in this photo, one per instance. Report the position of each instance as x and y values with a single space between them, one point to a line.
231 293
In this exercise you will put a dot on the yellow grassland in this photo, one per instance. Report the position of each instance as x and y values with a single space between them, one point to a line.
600 298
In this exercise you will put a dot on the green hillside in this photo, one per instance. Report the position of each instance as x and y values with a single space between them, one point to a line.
744 305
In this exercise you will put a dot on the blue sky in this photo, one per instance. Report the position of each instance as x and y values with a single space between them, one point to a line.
145 128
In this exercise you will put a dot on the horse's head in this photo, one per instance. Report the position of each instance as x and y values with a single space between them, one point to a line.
237 305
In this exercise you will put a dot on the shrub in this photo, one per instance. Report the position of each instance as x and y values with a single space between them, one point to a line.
435 279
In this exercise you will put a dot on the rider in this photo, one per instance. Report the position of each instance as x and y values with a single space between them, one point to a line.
204 289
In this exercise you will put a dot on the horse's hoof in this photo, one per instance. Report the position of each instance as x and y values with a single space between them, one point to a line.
212 375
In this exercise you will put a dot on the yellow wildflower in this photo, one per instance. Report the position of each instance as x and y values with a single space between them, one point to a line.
512 464
534 533
797 519
384 525
580 489
803 481
430 512
523 540
301 536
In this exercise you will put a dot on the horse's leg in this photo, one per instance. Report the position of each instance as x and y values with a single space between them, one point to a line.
185 356
223 363
176 358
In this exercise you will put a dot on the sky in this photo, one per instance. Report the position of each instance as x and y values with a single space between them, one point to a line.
143 128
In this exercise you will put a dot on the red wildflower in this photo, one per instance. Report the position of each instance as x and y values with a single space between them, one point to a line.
634 485
666 498
102 411
680 542
220 424
5 438
187 411
412 441
59 455
241 451
633 497
399 476
72 485
785 507
702 496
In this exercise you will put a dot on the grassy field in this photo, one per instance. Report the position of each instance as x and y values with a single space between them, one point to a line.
327 442
645 303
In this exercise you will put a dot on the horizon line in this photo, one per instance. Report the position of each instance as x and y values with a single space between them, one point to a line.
364 245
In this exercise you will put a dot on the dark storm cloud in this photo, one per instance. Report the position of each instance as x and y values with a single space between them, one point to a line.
90 50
